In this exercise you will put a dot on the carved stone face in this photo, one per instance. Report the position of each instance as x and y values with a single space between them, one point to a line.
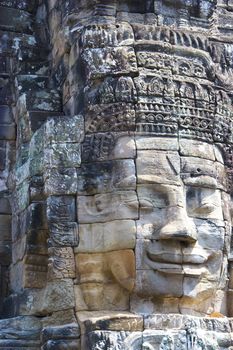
165 216
181 232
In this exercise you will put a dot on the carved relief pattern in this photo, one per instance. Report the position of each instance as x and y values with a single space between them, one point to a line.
121 191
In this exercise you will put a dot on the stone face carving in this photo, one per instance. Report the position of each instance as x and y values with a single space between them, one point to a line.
120 175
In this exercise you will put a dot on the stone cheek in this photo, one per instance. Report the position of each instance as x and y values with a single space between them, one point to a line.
121 208
105 279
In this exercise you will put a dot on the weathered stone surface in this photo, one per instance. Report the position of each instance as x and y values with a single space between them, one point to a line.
136 177
20 20
25 331
117 60
103 237
61 263
57 296
117 116
33 218
61 208
102 339
60 181
108 35
31 273
5 206
108 146
193 148
110 276
65 129
65 155
64 233
64 333
113 321
5 227
108 176
59 318
107 207
5 115
157 143
158 167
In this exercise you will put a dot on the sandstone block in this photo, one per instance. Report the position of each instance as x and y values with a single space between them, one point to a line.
5 207
113 321
65 155
194 148
61 263
106 279
107 267
116 116
99 296
61 209
63 332
204 203
107 207
103 237
33 218
59 318
65 129
108 176
101 62
157 143
158 167
104 339
108 146
19 249
64 234
60 181
57 296
151 283
20 198
108 35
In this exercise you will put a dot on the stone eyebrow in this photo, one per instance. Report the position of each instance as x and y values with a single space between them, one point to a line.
201 181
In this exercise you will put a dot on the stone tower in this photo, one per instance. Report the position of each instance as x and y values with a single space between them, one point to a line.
116 134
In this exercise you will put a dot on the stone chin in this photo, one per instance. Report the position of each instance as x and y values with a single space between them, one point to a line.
194 276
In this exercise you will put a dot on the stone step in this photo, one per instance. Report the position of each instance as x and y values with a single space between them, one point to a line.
20 20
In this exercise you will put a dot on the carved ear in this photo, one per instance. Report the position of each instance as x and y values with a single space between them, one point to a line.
122 266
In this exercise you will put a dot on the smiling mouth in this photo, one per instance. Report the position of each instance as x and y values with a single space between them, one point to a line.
170 263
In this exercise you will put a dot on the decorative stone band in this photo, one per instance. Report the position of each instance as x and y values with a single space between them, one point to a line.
165 332
100 146
161 119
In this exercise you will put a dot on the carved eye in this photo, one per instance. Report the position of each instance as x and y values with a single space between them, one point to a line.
153 201
201 201
146 204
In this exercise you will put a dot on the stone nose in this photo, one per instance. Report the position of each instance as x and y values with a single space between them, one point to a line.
178 226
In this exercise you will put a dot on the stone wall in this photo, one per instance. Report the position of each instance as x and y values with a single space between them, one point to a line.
116 174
